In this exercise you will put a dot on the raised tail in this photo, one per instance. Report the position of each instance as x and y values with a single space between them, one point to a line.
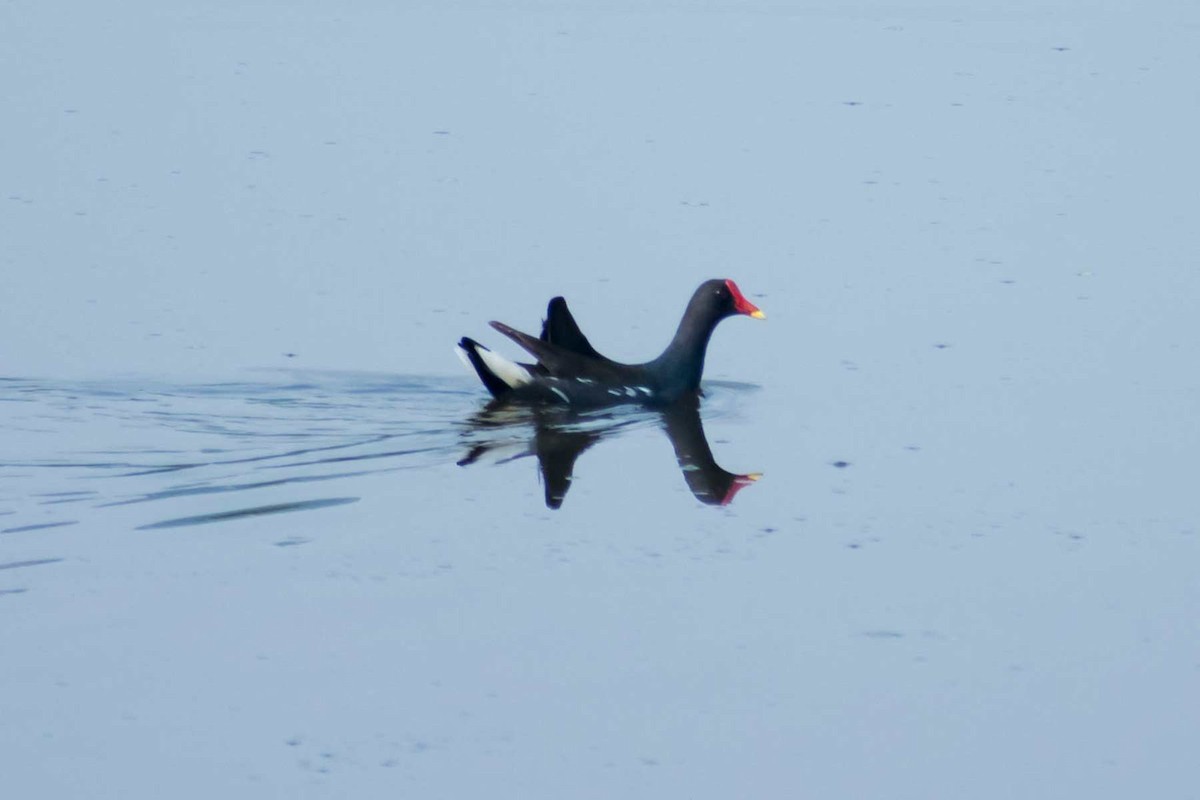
498 374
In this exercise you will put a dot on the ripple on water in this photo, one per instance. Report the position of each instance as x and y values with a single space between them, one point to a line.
142 442
98 445
255 511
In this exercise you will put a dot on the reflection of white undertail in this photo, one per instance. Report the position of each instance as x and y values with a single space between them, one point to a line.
510 372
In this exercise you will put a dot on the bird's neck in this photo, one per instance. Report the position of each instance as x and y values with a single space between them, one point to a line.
682 363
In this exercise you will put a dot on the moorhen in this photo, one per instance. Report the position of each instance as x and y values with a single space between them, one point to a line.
570 371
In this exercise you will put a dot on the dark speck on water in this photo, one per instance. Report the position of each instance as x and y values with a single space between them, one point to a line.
292 542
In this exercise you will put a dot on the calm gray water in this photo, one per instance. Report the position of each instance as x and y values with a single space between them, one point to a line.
259 538
292 581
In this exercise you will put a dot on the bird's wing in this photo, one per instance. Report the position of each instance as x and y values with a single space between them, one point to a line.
559 328
561 362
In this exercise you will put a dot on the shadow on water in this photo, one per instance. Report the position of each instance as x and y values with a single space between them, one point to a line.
557 437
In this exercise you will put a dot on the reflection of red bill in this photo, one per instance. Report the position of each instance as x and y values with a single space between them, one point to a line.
739 483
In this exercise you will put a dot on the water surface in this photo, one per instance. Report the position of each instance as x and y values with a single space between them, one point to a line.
248 549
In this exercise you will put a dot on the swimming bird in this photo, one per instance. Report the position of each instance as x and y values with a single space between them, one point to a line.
569 371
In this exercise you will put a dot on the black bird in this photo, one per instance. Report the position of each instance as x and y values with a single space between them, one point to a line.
570 371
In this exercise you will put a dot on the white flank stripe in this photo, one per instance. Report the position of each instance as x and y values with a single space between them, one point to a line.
560 394
510 372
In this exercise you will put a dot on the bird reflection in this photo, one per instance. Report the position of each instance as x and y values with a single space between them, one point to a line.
560 436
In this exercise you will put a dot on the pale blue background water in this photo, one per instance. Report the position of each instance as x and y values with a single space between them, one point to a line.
238 241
